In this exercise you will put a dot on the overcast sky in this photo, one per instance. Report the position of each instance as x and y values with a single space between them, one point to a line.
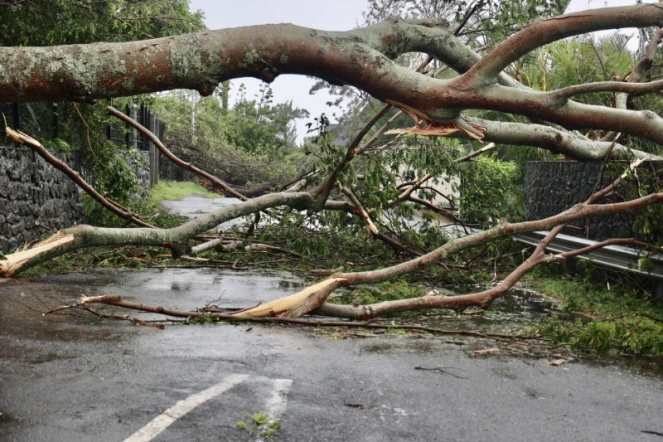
331 15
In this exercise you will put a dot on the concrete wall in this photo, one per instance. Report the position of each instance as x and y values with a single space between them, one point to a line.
32 191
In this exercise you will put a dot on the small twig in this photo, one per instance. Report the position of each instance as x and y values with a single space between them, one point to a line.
444 370
471 155
354 405
59 309
598 245
124 318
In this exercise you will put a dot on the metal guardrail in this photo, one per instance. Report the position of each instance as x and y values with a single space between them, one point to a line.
613 257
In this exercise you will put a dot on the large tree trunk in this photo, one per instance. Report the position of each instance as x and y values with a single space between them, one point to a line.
361 58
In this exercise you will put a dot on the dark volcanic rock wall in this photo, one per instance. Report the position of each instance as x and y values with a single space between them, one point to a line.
551 187
32 191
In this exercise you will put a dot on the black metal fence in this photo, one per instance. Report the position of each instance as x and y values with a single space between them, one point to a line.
123 133
40 120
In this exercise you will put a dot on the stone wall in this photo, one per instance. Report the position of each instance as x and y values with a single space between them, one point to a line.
139 161
552 187
35 198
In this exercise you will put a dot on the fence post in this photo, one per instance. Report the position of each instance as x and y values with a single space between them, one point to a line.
134 115
54 121
157 153
143 121
152 147
127 137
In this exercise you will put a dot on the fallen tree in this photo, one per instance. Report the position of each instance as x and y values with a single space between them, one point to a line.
363 58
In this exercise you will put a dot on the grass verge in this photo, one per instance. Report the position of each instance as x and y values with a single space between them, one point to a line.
610 314
175 190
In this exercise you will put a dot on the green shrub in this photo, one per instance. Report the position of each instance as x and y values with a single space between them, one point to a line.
490 190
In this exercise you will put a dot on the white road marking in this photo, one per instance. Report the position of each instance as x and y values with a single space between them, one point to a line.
164 420
278 401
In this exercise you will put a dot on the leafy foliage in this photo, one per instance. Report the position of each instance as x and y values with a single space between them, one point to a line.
175 190
386 291
490 191
81 128
613 314
57 22
262 425
252 142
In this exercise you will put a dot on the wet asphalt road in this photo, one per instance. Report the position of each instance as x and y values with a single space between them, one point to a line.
70 379
195 205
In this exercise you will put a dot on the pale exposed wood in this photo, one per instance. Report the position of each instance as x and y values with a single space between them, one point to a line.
12 263
288 303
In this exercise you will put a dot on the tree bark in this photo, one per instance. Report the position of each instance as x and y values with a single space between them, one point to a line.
361 58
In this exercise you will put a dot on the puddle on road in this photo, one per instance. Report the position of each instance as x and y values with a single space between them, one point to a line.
424 346
186 289
28 336
637 365
23 301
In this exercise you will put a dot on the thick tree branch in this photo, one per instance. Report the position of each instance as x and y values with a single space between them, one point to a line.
120 302
645 63
200 61
484 298
361 58
326 287
545 31
79 237
554 140
638 73
570 114
608 86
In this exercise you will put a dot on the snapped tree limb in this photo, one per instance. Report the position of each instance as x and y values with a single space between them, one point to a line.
83 236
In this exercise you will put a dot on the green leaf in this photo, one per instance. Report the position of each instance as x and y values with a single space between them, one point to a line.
260 418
